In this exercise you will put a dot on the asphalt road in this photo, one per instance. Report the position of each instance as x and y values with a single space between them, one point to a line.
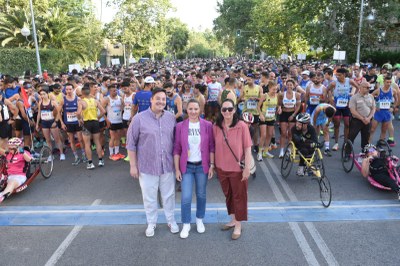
80 217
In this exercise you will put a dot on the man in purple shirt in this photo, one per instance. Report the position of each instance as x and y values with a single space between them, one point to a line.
150 142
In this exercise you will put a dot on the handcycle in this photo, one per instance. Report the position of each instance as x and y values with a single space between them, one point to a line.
43 163
314 166
350 158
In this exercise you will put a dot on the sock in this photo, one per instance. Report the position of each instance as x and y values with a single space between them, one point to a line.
272 140
75 154
111 150
101 159
282 150
116 149
90 161
391 138
326 145
260 150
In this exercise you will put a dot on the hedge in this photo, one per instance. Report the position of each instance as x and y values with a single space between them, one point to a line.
381 57
15 61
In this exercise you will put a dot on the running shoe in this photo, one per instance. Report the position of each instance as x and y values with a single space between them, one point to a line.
62 157
300 171
90 166
84 159
335 147
268 155
150 230
391 143
50 159
273 146
259 157
101 163
120 156
173 227
114 157
327 152
126 159
77 161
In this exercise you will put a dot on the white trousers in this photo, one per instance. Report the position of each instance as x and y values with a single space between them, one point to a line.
150 185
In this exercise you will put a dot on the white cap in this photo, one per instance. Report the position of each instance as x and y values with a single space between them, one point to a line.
305 72
149 80
180 73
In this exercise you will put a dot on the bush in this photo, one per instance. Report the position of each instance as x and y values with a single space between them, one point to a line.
381 57
15 61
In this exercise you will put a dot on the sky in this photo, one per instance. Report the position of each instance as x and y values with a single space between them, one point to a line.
198 15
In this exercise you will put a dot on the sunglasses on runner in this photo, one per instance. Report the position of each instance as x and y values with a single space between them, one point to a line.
229 109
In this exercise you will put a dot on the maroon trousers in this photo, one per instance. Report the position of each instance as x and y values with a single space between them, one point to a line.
235 192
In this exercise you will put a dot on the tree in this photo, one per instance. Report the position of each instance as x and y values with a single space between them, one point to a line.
178 36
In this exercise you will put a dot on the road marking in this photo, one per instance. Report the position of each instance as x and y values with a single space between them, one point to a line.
67 241
298 234
322 246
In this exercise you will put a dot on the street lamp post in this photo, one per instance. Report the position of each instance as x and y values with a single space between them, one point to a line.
359 32
254 49
35 40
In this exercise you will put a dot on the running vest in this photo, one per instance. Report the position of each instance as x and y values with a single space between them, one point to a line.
128 102
268 107
90 113
341 94
384 99
4 111
114 112
46 112
171 107
251 105
316 95
70 109
289 103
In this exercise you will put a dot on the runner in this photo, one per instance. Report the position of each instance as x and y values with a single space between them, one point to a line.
113 106
48 116
71 109
315 92
91 112
174 102
127 103
212 106
320 119
8 114
141 102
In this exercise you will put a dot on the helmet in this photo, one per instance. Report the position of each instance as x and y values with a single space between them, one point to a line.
15 142
368 147
248 117
303 118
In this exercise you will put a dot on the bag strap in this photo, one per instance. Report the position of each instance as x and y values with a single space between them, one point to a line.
227 143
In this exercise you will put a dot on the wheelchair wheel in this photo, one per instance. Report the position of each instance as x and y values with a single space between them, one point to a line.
287 162
46 161
347 156
325 191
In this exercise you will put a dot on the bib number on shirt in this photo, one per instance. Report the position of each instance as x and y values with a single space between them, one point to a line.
251 104
5 112
314 100
342 102
46 115
30 113
270 113
384 104
71 117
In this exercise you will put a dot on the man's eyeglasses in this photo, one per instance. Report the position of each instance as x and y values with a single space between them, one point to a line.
229 109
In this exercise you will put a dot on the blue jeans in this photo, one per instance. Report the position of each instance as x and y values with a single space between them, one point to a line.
193 173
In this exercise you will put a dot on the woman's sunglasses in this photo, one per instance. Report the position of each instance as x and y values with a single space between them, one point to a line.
229 109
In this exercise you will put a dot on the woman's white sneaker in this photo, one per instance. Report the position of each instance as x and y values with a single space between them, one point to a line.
150 230
185 231
200 226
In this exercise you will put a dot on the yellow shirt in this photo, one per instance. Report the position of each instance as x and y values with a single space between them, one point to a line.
90 112
58 97
268 107
251 105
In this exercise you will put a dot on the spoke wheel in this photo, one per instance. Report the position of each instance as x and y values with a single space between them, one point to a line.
347 156
382 144
46 162
325 191
287 162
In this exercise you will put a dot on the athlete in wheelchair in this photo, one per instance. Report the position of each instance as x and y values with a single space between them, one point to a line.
16 159
305 139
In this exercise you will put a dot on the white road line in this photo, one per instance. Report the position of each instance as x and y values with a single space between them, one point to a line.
322 246
298 234
67 241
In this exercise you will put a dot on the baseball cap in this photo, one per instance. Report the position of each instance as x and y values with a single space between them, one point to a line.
306 72
149 80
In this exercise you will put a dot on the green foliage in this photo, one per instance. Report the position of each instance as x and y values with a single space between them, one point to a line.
15 61
178 35
381 57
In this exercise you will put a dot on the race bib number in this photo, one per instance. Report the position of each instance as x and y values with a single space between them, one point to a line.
251 104
171 110
5 112
71 117
30 113
288 104
342 102
213 96
127 108
46 115
270 113
314 100
384 105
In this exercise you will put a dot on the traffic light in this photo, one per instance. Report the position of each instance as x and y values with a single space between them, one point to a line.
238 33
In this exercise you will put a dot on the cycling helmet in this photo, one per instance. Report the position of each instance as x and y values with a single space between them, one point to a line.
369 147
248 117
15 142
303 118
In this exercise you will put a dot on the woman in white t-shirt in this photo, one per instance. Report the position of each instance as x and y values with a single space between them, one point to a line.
194 163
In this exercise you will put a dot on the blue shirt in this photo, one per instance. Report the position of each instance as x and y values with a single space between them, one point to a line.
142 100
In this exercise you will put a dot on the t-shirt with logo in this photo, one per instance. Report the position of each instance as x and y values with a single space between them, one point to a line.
194 139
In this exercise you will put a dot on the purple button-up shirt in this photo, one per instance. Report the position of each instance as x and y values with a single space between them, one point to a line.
153 140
